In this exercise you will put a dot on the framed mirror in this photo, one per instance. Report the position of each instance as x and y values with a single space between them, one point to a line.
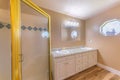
70 31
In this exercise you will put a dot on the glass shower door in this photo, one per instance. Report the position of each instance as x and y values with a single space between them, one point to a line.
35 63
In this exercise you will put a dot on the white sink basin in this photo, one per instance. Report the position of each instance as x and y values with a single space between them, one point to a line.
86 48
62 52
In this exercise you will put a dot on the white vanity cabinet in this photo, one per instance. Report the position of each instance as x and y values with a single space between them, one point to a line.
67 66
85 60
92 58
79 63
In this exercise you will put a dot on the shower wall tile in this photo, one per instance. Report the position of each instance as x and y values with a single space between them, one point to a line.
23 27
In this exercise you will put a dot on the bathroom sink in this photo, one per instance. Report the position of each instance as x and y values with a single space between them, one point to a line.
86 48
62 52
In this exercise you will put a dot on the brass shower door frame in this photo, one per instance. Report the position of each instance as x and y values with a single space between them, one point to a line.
15 10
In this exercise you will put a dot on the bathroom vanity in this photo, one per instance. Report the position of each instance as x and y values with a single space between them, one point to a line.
71 61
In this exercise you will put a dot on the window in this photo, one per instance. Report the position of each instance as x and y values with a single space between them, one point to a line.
110 28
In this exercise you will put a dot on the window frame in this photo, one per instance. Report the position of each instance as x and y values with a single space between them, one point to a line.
103 25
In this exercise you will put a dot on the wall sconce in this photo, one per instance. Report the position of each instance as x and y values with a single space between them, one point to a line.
71 24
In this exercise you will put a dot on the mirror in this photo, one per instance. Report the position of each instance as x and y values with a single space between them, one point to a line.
70 31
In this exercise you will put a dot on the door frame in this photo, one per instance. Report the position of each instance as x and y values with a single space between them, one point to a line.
16 62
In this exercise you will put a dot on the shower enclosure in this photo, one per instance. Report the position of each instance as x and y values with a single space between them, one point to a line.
35 63
25 41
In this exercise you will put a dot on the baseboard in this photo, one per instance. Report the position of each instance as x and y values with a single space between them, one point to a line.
117 72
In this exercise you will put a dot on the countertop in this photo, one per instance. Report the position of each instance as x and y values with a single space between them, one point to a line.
72 51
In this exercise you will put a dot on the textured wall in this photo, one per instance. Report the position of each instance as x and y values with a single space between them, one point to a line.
109 47
57 20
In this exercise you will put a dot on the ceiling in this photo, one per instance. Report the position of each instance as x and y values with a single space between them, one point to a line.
82 9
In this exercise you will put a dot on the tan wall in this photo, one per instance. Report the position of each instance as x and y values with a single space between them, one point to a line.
57 21
109 47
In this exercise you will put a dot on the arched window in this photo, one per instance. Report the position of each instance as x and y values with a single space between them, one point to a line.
110 28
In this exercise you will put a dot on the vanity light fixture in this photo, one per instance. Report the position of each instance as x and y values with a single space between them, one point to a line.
71 24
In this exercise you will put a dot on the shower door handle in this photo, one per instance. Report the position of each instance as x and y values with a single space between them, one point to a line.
21 57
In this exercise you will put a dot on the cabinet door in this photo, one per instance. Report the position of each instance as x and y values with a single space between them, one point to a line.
92 59
95 58
85 61
60 70
70 67
79 64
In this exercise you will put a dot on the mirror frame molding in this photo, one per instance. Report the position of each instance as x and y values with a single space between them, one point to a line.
16 55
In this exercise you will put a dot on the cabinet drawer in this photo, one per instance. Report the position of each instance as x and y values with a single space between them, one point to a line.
92 52
70 57
60 59
64 58
78 55
85 53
